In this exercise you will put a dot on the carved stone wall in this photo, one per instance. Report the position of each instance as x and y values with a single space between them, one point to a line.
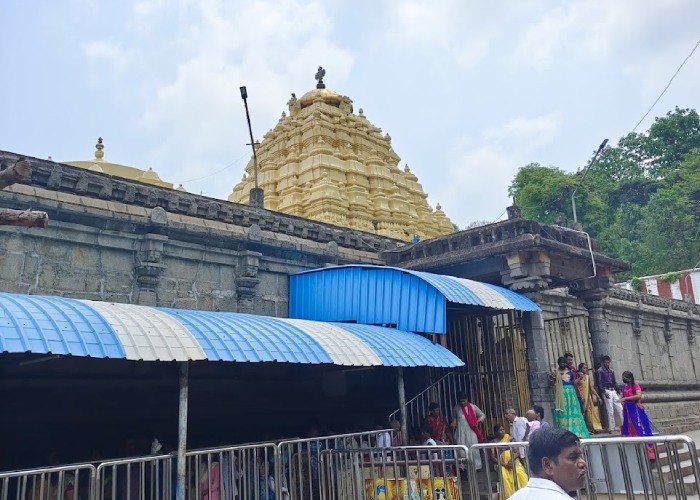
97 247
655 339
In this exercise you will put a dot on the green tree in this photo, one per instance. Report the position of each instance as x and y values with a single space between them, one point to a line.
641 199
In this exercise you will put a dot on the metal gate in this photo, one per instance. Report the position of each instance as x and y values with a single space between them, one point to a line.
569 334
494 351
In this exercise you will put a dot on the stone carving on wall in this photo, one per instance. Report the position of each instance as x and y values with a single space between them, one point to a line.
247 281
150 267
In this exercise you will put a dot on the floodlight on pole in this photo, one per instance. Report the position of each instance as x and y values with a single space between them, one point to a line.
244 96
256 197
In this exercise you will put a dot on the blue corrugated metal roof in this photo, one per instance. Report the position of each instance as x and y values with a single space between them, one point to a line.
399 348
55 325
408 300
249 338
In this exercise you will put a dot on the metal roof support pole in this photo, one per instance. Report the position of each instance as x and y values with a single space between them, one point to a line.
402 406
182 431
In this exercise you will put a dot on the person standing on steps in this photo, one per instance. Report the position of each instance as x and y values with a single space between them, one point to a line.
465 422
608 388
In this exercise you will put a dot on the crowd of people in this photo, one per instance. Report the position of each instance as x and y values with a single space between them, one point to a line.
581 396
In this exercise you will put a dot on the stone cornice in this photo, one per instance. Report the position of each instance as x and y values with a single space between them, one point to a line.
67 179
501 237
653 300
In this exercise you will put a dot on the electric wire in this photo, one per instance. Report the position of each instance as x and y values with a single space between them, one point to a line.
232 164
667 85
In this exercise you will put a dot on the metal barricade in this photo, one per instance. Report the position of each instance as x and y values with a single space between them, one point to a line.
69 482
659 467
642 467
235 472
141 478
299 459
502 468
411 472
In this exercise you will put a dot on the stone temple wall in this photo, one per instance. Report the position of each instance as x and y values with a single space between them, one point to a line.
121 245
654 338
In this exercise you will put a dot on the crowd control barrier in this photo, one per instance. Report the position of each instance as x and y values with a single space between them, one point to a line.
299 459
352 467
69 482
412 472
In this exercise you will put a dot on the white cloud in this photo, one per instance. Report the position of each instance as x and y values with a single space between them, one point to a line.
455 30
273 47
482 167
596 30
107 54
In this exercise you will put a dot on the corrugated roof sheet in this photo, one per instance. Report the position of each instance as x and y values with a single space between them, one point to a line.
148 334
407 300
54 325
44 325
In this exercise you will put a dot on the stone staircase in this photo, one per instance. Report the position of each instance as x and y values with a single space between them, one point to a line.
680 468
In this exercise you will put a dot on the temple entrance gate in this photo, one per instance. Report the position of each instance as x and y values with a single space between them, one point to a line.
569 334
492 345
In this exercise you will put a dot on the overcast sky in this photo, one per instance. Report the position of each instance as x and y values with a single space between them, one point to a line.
468 90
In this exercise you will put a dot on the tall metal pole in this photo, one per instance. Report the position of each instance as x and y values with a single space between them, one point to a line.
593 160
182 432
402 406
244 96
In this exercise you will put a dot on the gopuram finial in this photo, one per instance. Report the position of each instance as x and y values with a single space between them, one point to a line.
319 78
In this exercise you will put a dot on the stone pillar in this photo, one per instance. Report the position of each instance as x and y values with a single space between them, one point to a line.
597 325
592 291
528 273
539 366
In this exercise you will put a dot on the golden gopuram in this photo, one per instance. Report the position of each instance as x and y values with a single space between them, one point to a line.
324 162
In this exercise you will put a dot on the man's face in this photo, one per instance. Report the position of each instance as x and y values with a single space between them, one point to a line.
510 415
568 471
606 363
435 412
570 360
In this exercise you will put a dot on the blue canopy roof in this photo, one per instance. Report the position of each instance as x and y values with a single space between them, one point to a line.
56 325
409 300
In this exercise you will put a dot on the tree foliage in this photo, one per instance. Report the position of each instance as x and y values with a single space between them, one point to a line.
640 199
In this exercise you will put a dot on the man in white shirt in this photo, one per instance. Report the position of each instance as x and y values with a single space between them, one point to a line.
518 428
557 466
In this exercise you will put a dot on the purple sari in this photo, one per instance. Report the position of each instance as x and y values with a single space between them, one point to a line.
635 421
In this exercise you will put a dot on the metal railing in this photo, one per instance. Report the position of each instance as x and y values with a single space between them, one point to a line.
425 472
649 467
234 472
299 459
443 392
139 478
69 482
353 467
659 467
504 468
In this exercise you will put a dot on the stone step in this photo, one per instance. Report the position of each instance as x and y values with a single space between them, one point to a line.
685 469
683 454
678 426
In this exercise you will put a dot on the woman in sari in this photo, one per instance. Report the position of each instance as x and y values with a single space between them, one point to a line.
567 409
510 470
465 422
635 421
591 400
